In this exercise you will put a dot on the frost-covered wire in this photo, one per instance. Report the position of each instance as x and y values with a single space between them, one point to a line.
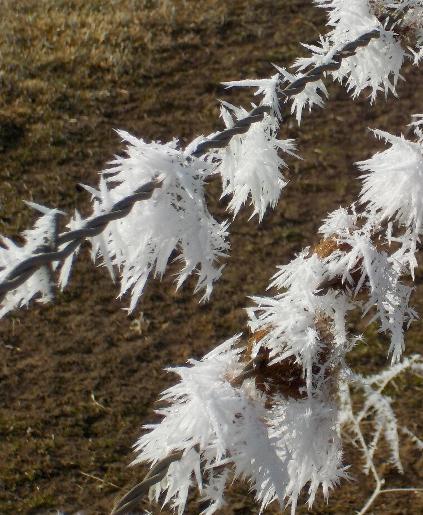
377 66
115 203
361 45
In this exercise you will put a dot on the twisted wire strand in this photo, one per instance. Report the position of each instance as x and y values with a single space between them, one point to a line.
221 139
95 225
154 476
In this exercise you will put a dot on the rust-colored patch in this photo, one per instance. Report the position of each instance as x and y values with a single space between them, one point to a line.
328 246
285 378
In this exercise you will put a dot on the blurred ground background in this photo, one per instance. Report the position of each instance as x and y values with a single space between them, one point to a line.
79 378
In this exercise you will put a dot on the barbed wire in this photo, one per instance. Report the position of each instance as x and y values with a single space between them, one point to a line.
95 225
154 476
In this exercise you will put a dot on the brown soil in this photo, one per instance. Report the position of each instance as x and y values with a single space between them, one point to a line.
79 378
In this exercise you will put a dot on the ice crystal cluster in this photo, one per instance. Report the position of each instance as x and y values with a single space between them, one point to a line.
38 284
270 409
283 438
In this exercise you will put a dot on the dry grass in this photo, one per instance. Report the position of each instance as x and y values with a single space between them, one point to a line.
64 63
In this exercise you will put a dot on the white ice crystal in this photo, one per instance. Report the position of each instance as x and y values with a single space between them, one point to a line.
340 222
75 223
267 88
393 182
174 220
39 283
250 165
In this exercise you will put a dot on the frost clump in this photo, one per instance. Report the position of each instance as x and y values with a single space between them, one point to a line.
174 222
228 432
38 284
250 165
376 66
393 182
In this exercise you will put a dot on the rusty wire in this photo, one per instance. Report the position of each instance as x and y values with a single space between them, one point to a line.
95 225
